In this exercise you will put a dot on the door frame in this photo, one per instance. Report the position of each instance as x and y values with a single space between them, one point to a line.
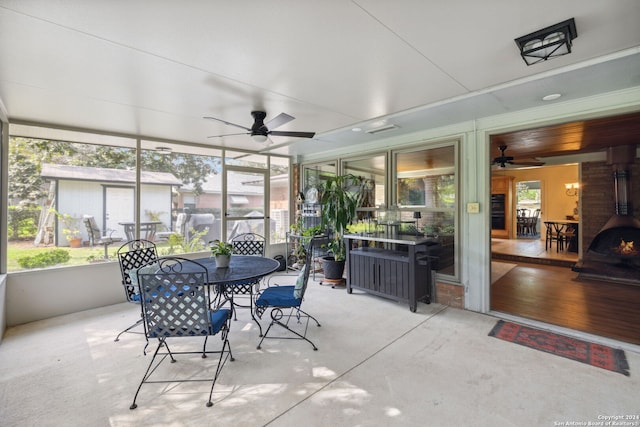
265 205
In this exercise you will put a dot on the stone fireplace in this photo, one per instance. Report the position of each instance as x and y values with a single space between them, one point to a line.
613 253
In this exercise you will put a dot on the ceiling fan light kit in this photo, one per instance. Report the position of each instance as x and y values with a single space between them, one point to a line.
259 138
547 43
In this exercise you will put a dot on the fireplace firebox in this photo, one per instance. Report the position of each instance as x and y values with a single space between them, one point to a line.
614 253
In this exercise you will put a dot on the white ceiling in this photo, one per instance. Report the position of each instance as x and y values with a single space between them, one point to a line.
155 68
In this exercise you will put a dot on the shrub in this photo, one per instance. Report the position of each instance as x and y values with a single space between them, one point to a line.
45 259
22 221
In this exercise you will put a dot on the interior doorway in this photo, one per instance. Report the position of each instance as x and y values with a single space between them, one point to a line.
528 208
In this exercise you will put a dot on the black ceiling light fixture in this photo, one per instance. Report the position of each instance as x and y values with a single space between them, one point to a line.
547 43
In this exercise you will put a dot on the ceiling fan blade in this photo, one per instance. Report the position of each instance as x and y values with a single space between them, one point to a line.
278 121
293 133
527 163
228 123
503 159
229 134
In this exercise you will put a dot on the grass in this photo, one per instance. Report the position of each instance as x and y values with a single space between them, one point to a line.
79 256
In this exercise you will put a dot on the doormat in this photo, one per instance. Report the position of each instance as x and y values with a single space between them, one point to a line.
592 354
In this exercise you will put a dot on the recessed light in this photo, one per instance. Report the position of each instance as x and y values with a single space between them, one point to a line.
551 97
356 129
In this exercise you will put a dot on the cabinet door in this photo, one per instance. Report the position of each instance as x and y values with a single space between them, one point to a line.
393 278
363 272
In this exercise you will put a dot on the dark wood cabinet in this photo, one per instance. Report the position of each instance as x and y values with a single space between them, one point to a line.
402 275
501 207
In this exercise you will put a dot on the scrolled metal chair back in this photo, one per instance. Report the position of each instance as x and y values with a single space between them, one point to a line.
175 299
248 244
133 255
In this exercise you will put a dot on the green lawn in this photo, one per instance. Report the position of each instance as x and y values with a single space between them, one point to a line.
78 256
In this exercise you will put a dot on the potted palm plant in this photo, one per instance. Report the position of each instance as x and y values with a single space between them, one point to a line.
340 197
222 251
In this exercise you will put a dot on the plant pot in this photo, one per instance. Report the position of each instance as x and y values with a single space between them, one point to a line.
332 269
76 242
222 261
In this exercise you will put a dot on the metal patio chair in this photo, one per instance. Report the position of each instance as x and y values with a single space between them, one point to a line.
178 303
284 303
96 237
131 256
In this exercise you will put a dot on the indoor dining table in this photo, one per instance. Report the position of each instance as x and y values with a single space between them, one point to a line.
241 275
562 225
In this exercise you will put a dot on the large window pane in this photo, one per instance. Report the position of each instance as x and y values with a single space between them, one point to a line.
372 169
59 177
184 201
426 189
55 185
279 198
314 175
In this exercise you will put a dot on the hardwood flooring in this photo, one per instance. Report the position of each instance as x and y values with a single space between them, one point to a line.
554 294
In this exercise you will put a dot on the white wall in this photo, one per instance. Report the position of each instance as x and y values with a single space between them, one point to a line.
41 294
45 293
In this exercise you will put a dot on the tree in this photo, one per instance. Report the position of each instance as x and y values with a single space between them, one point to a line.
26 156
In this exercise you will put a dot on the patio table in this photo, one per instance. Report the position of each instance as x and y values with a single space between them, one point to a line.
241 275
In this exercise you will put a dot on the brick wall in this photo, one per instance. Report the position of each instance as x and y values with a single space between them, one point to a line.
451 295
598 198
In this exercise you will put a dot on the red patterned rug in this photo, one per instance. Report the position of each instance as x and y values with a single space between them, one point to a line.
592 354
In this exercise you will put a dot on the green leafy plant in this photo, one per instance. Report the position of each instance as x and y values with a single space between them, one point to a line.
219 247
341 196
45 259
338 249
70 225
178 244
312 231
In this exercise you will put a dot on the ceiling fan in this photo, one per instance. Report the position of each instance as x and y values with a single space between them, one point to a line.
502 160
260 131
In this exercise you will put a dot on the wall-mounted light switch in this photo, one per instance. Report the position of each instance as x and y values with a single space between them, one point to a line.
473 207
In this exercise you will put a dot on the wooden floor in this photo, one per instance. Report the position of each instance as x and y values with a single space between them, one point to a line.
553 294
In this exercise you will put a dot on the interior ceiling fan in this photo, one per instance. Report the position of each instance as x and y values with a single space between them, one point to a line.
260 131
502 160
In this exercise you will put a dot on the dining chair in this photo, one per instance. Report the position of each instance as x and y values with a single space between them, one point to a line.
531 223
131 256
178 303
284 302
96 237
553 234
247 244
566 235
521 219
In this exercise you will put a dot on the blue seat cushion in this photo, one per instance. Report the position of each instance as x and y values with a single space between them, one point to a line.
278 296
218 318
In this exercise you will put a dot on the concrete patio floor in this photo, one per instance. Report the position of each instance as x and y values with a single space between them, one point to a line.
378 364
